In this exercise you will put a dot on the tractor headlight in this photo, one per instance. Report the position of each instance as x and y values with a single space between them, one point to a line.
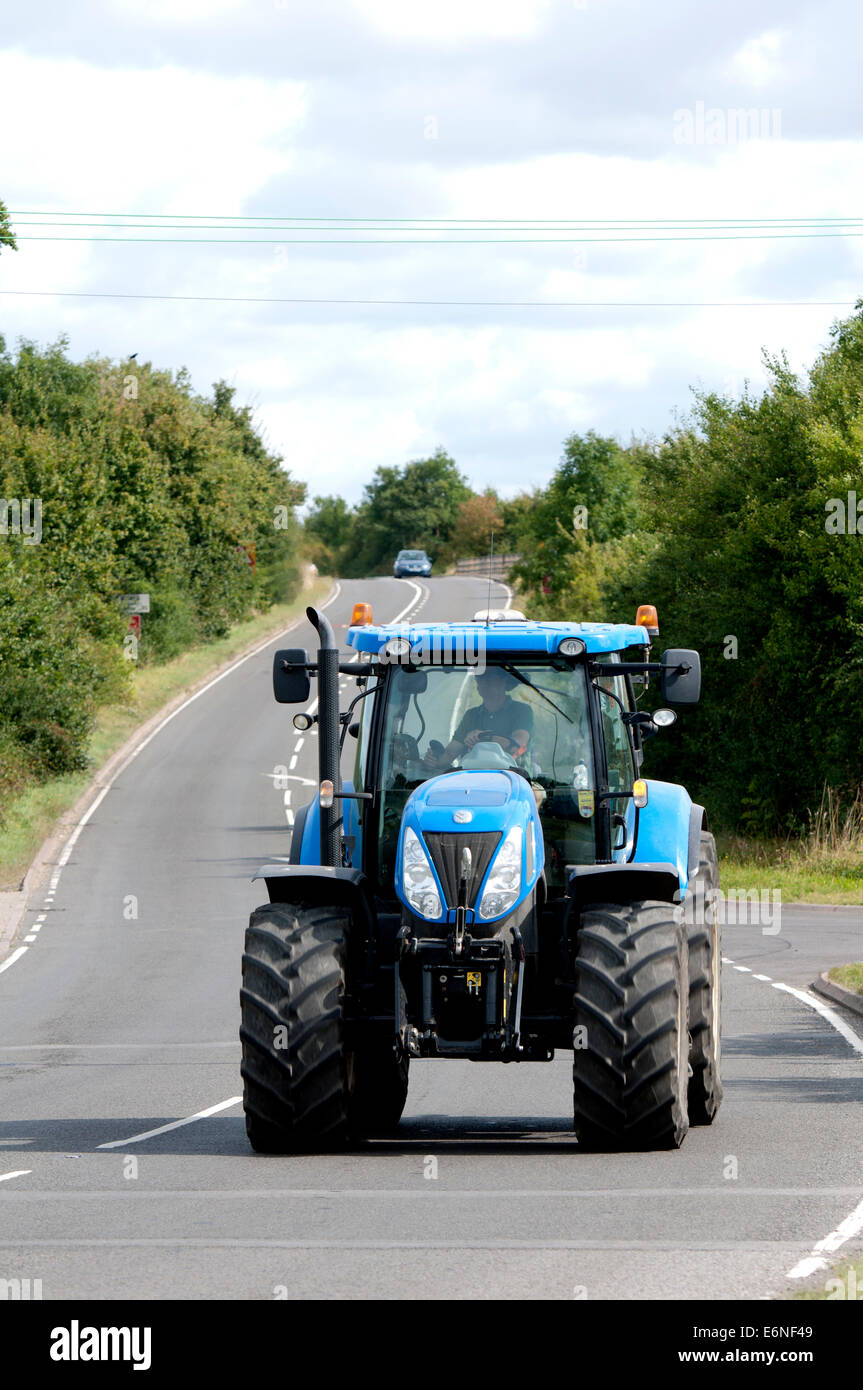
503 884
418 881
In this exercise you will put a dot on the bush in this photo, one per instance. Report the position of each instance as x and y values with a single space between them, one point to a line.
171 627
150 489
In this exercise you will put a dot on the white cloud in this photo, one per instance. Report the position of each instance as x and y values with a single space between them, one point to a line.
758 62
121 139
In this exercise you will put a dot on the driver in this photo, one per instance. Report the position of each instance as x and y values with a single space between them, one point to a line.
499 719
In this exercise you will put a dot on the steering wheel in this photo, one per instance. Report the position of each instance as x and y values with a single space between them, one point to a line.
489 736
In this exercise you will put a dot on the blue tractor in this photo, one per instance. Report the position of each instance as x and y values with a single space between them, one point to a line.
496 882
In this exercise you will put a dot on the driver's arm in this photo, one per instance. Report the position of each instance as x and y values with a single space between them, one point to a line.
453 749
516 741
460 740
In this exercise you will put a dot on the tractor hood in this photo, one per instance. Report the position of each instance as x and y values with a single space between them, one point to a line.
493 816
489 797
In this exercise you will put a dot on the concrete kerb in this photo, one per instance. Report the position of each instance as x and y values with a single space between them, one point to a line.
13 902
838 993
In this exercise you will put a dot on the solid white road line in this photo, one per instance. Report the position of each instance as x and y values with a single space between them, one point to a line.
175 1124
826 1012
419 591
18 1173
851 1226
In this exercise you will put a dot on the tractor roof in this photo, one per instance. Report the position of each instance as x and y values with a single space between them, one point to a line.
520 636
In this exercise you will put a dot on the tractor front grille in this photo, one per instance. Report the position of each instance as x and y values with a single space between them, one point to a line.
446 848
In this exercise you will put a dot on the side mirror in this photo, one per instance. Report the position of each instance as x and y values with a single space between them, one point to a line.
681 676
291 681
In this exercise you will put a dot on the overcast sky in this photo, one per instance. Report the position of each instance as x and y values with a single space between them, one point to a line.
443 109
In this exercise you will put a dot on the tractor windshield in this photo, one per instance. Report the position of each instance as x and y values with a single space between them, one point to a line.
532 718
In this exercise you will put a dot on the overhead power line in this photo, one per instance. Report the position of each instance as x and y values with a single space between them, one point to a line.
171 224
521 221
234 229
456 303
433 241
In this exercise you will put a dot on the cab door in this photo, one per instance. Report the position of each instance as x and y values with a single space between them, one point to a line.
614 699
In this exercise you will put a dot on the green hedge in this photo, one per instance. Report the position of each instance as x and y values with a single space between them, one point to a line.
142 486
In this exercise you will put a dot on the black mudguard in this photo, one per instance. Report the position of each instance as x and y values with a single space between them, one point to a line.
623 883
316 883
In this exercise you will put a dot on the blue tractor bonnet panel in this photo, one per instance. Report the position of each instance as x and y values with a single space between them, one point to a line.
475 803
663 829
526 636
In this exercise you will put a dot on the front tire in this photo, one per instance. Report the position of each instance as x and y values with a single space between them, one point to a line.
631 1040
294 1063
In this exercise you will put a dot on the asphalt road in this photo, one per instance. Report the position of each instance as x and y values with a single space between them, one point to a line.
122 1018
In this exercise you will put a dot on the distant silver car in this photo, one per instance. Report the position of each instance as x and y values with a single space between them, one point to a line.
412 562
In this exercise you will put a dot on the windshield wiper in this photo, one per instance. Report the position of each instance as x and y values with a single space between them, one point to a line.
524 680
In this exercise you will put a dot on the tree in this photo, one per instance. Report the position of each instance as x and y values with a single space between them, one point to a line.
477 518
153 489
593 498
6 235
412 507
330 532
744 567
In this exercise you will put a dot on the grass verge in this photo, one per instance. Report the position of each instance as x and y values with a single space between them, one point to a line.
800 870
851 976
31 817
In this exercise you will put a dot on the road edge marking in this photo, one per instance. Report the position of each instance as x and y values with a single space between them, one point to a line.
827 1013
810 1264
174 1124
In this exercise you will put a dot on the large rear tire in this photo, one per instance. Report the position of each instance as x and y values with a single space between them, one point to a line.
294 1064
631 1040
705 987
